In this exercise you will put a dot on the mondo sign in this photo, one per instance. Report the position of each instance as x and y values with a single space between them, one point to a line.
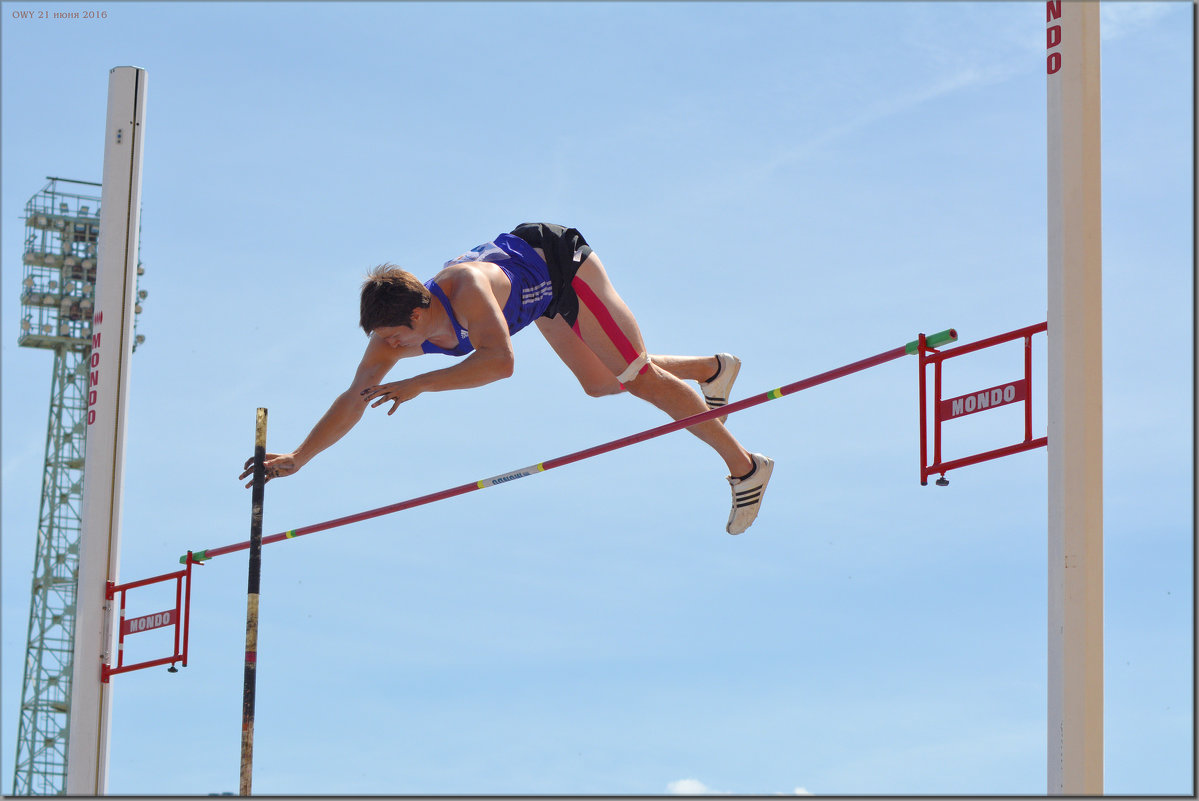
1053 36
981 401
147 622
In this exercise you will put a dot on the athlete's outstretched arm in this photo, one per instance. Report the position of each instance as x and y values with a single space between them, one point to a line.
491 360
343 414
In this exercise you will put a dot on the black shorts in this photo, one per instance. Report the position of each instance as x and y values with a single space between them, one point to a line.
565 250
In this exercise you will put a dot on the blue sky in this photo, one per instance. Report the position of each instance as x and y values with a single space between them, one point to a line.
802 184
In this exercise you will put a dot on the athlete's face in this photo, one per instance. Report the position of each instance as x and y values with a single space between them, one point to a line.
399 336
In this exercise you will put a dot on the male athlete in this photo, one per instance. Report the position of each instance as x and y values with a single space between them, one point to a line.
540 273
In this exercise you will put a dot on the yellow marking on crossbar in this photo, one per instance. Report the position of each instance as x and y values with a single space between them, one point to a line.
506 477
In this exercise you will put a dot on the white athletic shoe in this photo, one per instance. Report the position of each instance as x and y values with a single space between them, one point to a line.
717 391
748 492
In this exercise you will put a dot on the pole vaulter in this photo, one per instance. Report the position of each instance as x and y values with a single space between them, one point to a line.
911 348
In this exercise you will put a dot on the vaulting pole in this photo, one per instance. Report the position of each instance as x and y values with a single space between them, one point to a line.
1075 395
251 671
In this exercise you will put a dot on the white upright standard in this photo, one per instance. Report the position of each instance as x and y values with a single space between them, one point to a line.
1075 425
108 390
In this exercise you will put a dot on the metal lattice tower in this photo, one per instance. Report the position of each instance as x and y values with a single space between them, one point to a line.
61 232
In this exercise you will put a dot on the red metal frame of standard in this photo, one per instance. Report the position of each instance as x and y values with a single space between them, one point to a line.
179 617
1019 391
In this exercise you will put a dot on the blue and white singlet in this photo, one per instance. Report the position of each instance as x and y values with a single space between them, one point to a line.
531 292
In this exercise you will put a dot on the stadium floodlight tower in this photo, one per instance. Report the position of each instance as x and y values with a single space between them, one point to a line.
62 231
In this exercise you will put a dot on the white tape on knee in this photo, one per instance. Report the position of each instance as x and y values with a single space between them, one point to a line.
634 369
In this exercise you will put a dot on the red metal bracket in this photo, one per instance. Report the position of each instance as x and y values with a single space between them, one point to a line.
179 617
1018 391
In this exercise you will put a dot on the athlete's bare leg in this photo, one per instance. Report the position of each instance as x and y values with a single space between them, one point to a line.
596 379
691 368
653 383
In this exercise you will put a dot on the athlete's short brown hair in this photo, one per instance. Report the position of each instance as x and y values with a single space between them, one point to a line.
389 295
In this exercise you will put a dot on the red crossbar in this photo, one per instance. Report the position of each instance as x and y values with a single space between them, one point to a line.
806 383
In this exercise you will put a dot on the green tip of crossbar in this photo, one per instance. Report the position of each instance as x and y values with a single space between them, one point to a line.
197 556
932 341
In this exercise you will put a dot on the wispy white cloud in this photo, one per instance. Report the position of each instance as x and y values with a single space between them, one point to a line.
1117 20
696 787
691 787
886 107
